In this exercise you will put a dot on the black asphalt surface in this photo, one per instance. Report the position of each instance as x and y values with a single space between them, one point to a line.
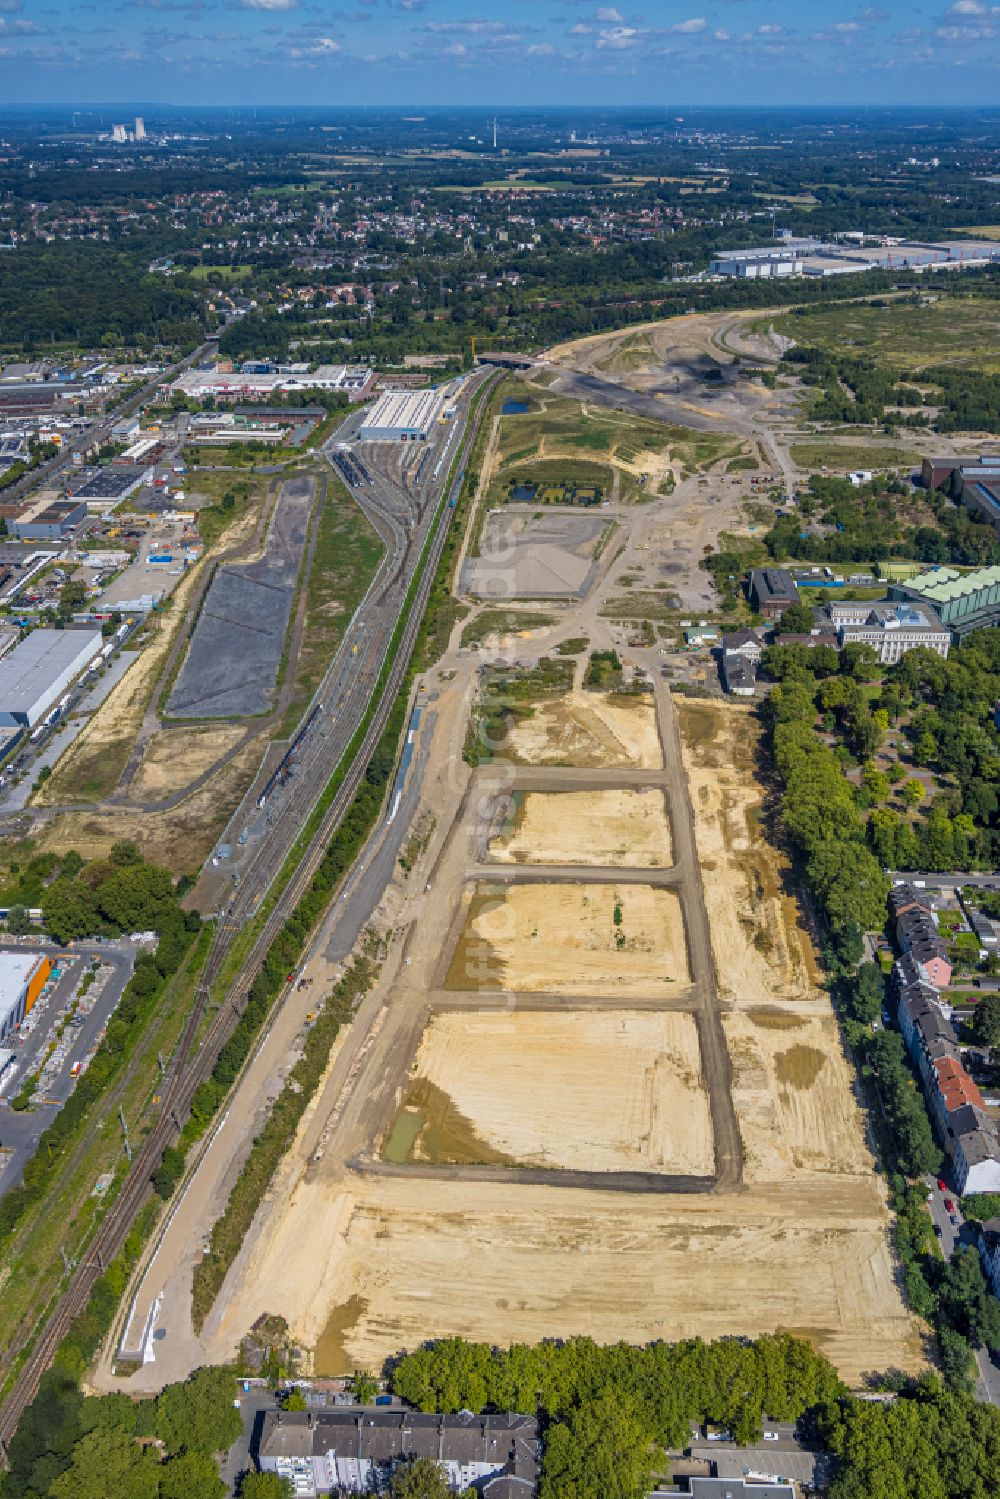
235 651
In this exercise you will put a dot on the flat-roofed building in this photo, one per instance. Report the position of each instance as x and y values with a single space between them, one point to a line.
891 630
35 673
48 519
22 978
772 590
403 416
961 601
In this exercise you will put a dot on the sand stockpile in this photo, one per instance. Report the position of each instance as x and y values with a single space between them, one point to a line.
573 939
590 730
584 1090
619 826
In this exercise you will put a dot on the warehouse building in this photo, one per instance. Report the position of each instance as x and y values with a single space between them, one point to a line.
403 416
961 601
112 483
22 979
35 673
48 519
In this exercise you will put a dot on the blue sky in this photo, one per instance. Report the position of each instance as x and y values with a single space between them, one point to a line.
505 51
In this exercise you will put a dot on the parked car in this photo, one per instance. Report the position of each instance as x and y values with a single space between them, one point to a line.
949 1206
772 1436
941 1185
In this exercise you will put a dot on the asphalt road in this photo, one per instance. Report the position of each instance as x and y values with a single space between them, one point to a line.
20 1131
952 1236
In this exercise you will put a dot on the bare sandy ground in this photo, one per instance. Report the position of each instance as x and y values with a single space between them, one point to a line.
363 1269
589 730
563 939
614 827
181 839
762 951
176 757
613 1091
793 1097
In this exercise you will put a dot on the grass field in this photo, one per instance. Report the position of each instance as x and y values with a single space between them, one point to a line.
226 273
846 457
960 331
347 553
561 440
503 622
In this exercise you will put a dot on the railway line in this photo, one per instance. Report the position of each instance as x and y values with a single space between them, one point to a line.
348 703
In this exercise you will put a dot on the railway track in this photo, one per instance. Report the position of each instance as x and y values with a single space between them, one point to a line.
183 1076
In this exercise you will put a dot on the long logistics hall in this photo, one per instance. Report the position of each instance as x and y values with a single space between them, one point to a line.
403 416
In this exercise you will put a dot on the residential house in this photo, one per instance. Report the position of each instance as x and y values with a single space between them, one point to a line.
741 653
356 1451
988 1239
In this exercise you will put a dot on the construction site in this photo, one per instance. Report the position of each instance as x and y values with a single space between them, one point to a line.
596 1055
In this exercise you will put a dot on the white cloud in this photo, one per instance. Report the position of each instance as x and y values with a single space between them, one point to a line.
540 49
323 46
722 36
770 30
269 5
477 27
846 26
689 27
608 13
967 8
619 38
580 29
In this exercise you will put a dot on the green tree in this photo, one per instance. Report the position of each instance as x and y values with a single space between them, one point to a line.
265 1486
912 792
108 1465
69 910
296 1401
364 1387
875 782
986 1020
925 751
125 853
421 1479
199 1415
605 1450
192 1475
18 921
797 620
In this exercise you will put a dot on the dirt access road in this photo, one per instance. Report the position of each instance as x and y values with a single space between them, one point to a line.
363 1255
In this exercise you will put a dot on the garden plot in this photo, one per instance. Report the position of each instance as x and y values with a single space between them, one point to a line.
625 827
581 1089
589 730
535 554
231 668
572 939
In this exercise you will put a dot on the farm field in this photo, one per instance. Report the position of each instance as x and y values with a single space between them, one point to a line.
572 939
614 1091
588 730
620 826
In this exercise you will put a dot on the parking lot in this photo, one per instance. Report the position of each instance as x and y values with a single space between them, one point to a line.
75 1023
